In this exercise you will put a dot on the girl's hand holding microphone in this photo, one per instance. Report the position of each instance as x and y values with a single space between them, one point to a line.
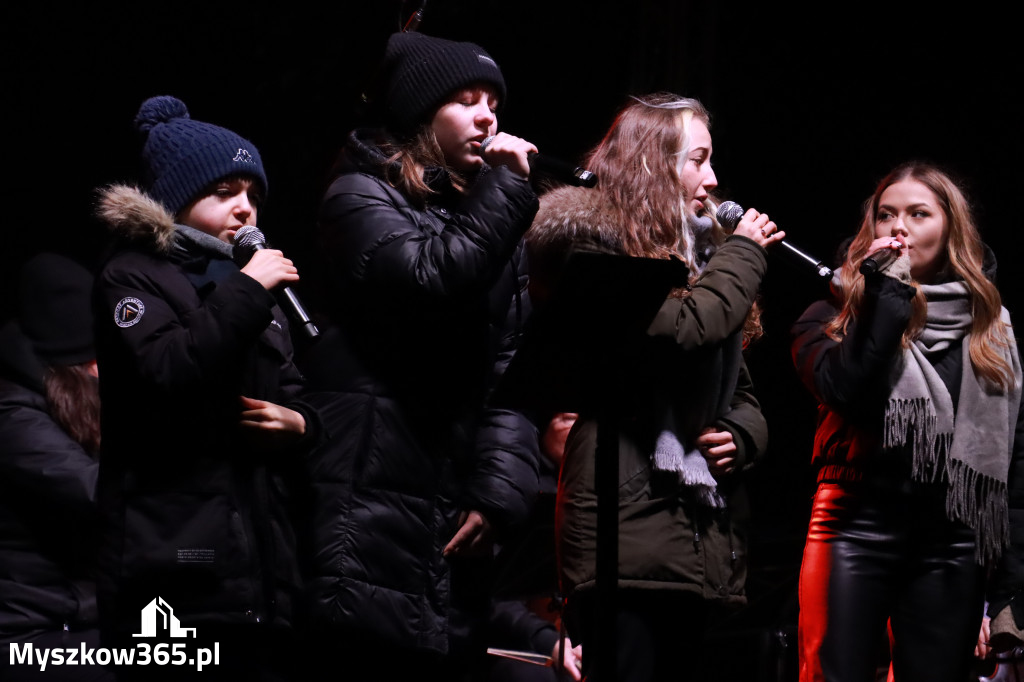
758 227
508 150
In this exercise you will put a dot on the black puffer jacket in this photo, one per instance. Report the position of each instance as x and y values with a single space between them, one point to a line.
48 514
428 306
194 512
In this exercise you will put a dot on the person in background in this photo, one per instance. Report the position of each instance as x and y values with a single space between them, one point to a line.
529 619
918 449
49 445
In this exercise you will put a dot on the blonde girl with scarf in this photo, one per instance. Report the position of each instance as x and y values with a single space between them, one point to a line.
918 442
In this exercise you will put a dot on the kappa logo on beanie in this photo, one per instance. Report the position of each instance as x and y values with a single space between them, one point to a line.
182 157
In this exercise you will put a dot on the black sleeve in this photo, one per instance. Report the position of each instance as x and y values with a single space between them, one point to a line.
514 626
374 236
43 463
841 374
505 480
168 349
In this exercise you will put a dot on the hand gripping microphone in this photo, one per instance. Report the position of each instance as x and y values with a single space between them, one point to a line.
878 260
250 239
729 214
563 171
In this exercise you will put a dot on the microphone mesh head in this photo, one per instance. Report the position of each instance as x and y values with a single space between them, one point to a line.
729 214
249 237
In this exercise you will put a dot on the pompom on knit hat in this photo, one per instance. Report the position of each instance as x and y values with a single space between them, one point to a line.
182 156
54 309
421 71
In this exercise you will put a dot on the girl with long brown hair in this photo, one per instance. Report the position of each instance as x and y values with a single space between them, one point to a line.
918 377
694 424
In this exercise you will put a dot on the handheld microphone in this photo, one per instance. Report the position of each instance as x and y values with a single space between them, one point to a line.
250 239
878 260
729 214
560 170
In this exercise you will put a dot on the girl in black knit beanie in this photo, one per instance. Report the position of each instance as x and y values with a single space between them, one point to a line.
422 229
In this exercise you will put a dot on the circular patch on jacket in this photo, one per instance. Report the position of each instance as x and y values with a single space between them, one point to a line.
128 312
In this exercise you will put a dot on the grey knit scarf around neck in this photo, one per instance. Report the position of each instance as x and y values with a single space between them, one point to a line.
970 453
185 235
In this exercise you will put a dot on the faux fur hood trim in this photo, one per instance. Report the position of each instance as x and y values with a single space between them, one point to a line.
136 217
574 215
569 219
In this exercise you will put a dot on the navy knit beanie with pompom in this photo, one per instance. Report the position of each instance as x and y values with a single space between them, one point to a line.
182 157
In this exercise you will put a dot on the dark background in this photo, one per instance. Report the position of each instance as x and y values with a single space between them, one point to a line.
810 108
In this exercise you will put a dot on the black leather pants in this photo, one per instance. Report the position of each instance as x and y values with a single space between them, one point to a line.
878 553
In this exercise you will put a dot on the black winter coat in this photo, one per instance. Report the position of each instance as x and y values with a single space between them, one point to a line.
428 305
194 513
48 516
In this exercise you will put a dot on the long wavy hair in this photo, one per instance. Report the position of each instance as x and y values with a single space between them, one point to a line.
72 394
964 260
639 162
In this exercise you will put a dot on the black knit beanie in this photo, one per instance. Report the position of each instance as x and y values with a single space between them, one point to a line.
54 309
421 71
182 157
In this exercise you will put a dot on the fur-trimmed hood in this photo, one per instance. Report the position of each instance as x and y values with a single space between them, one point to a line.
135 217
569 218
575 215
584 218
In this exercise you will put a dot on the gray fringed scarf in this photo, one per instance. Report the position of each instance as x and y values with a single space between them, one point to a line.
670 454
972 452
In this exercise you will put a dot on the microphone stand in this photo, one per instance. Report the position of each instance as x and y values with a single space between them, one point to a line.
578 354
